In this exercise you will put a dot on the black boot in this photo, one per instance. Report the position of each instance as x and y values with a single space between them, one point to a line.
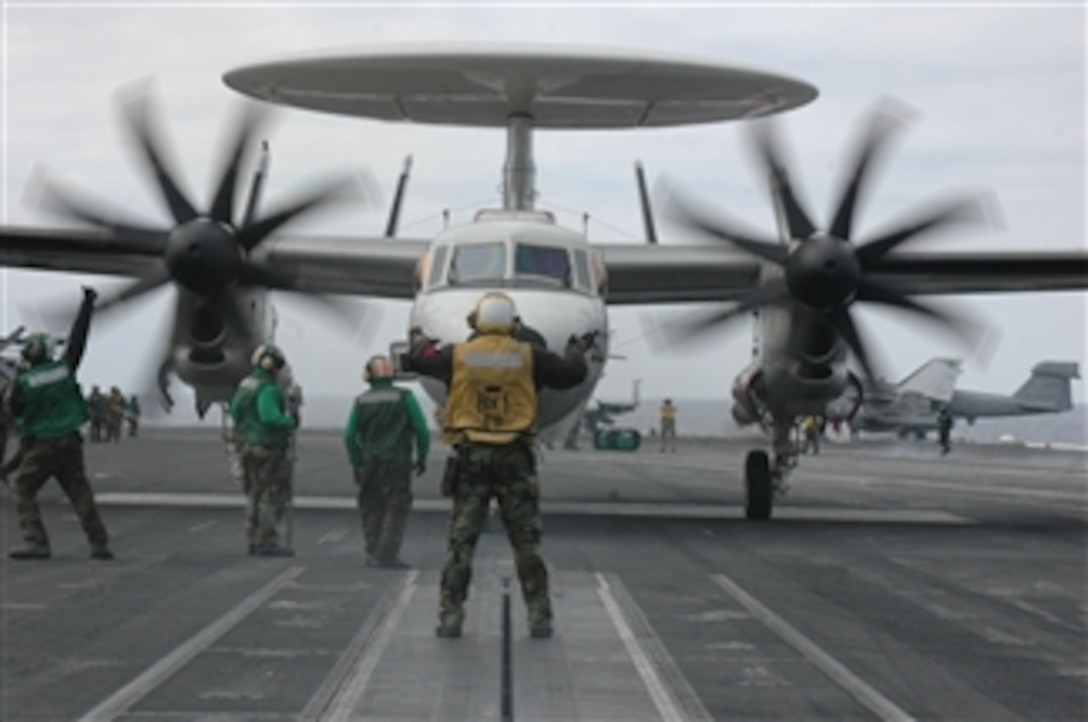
101 553
32 550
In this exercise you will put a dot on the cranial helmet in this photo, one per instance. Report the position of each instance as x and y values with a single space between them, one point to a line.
378 367
37 348
494 313
268 357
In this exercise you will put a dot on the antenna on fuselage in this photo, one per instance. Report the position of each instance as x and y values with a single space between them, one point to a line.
398 199
644 203
256 187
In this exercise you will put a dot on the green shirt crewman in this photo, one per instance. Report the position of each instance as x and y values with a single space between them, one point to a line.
49 410
383 424
264 431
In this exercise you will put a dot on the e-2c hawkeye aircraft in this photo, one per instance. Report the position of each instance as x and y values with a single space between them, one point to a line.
223 264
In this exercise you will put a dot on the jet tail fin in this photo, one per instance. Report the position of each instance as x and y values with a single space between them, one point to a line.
1050 386
934 380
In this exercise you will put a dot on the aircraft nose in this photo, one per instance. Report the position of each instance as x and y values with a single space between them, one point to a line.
556 318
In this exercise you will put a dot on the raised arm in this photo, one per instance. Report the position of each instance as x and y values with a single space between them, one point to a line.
77 337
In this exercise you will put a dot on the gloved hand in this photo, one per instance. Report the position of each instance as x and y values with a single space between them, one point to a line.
583 342
416 337
421 467
89 294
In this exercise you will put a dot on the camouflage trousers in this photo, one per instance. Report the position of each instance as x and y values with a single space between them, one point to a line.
505 473
266 479
384 500
61 458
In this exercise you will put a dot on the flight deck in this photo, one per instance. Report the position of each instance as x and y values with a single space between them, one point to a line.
893 584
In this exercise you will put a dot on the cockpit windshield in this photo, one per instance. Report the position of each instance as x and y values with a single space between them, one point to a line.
542 262
477 263
508 263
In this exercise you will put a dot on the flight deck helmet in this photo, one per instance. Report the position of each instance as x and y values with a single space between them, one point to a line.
378 367
37 349
269 358
494 313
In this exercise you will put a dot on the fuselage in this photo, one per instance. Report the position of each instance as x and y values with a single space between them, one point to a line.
554 277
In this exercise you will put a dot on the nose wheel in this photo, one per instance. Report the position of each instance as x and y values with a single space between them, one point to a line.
759 484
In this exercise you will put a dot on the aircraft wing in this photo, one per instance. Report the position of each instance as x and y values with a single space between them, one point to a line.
677 274
680 274
77 251
379 267
940 273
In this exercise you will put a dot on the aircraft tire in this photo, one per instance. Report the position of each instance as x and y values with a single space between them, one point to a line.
757 477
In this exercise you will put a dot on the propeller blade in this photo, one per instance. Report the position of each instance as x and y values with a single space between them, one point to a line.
686 214
357 319
769 147
843 322
883 124
335 191
970 331
159 277
774 291
968 210
248 124
137 112
53 197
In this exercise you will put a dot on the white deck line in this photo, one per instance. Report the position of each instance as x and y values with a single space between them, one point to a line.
156 674
342 707
864 693
659 691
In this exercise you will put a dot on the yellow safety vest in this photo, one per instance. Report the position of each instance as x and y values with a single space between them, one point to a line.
492 397
668 412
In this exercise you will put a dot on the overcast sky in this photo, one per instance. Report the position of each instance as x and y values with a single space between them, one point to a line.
999 94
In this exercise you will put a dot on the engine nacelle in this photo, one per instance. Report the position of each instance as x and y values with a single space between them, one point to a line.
208 353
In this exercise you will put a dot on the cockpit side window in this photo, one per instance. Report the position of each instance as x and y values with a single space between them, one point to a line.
438 265
542 262
581 269
475 263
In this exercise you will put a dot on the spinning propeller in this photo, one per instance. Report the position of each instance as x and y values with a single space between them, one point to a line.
825 272
208 253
